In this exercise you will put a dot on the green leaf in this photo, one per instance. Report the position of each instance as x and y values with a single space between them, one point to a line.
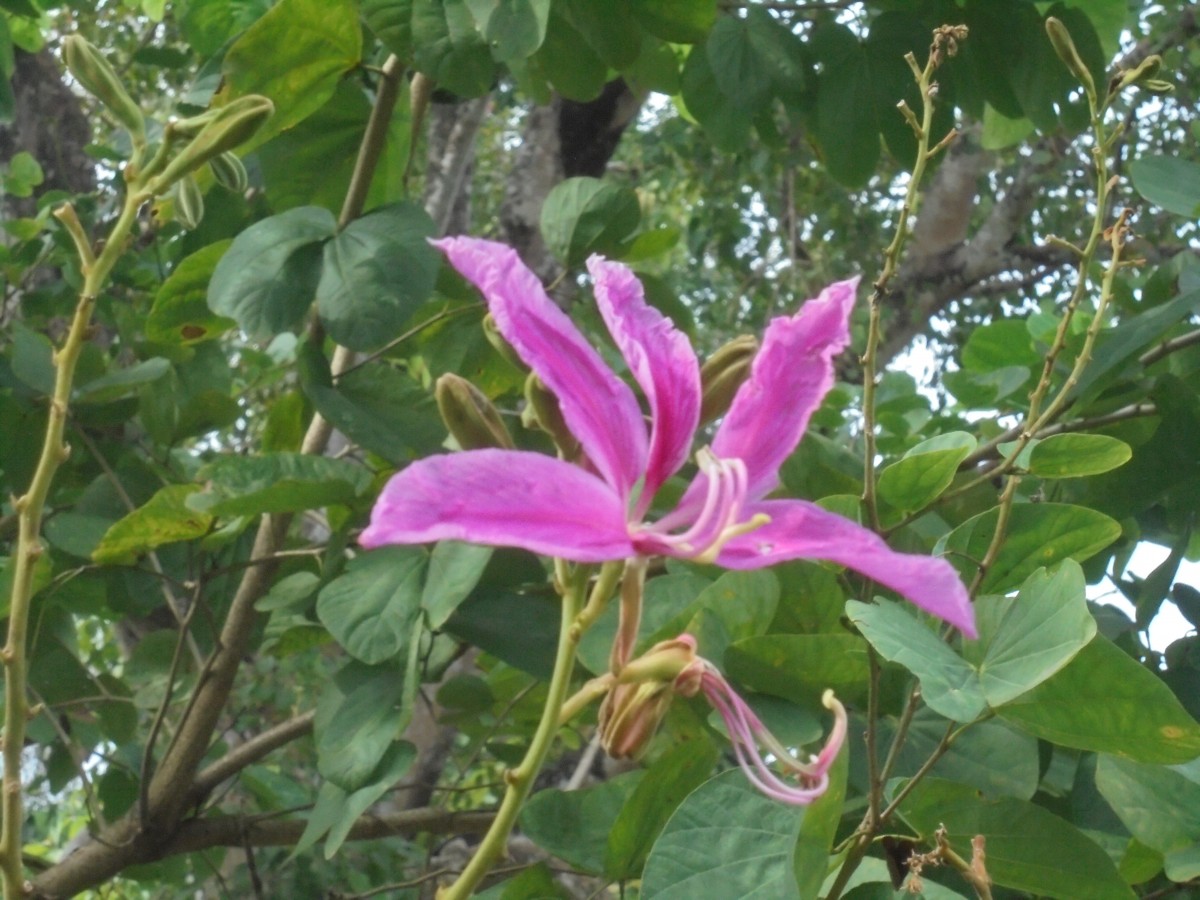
609 27
1159 806
373 607
454 570
521 629
1028 848
582 216
391 20
725 840
1006 342
1039 534
948 683
395 763
377 271
180 314
277 483
268 277
23 172
925 471
1076 455
999 131
122 383
33 358
575 825
448 47
725 121
674 775
569 62
847 130
295 55
359 716
1027 639
1169 182
739 67
799 667
163 519
514 29
818 828
533 883
1106 701
377 406
677 21
1119 347
290 592
312 163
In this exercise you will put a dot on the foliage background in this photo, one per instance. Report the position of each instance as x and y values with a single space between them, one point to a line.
740 156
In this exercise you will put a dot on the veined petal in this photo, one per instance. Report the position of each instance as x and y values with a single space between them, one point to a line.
662 360
507 498
789 377
598 407
802 530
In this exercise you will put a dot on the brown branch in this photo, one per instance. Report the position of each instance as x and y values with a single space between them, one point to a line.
250 752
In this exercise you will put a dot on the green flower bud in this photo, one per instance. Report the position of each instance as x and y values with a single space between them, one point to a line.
496 339
469 415
189 202
723 373
229 171
542 411
229 127
1065 48
630 716
93 71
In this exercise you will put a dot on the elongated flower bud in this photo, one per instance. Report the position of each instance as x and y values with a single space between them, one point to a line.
543 412
496 339
189 202
229 171
723 373
89 67
1065 48
469 415
231 126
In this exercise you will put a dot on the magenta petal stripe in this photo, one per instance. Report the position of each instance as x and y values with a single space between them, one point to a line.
802 530
662 360
507 498
790 376
599 408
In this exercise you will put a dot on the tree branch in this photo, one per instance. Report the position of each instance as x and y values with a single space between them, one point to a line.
250 752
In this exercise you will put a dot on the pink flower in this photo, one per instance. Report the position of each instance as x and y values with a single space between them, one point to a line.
597 512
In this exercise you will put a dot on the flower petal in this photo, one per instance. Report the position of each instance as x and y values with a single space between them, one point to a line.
663 362
598 407
802 530
790 376
508 498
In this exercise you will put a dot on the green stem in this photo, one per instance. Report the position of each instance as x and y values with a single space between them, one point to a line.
30 508
520 780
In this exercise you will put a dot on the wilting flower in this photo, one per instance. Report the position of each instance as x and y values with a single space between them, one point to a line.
638 701
596 512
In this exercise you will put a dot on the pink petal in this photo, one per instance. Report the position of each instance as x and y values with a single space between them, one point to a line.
598 407
801 530
790 376
663 362
508 498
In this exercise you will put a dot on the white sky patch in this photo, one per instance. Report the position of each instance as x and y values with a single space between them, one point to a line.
1169 625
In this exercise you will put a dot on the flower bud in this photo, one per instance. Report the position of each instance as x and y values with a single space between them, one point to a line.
1065 48
469 415
229 171
630 716
230 126
723 373
100 79
542 411
496 339
189 202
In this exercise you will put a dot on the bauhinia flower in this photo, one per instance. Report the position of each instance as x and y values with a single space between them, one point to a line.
642 692
597 511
